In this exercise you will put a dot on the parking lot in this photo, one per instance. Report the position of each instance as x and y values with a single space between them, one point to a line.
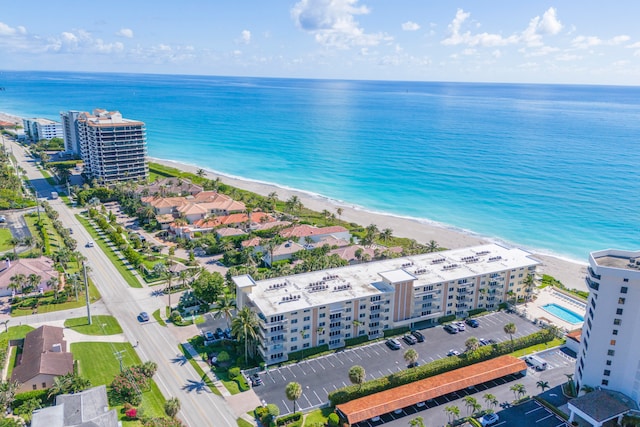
320 376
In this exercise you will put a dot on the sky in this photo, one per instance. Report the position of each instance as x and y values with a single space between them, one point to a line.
581 42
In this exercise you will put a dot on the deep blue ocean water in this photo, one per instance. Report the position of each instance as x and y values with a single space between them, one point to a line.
554 168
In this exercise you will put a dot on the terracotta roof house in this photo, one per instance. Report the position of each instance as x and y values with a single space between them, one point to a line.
164 205
271 225
42 267
164 220
573 340
299 232
219 204
169 186
229 231
331 241
349 253
87 408
44 357
282 252
193 211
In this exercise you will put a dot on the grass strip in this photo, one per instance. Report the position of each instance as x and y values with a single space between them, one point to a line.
100 325
94 295
243 423
156 315
119 264
203 376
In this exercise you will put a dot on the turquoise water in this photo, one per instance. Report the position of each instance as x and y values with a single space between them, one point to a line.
563 313
548 167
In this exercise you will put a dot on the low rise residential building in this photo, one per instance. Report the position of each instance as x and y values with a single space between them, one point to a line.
41 270
331 306
86 408
300 233
37 129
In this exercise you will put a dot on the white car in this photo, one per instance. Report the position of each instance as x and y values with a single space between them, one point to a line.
89 244
460 326
453 353
489 419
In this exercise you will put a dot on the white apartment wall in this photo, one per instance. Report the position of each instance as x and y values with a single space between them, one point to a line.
611 331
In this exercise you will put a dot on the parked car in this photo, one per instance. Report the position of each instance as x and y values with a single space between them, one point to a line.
89 244
537 362
227 333
488 419
414 364
3 218
143 317
460 326
256 380
418 336
473 323
208 336
453 352
483 342
452 329
393 344
410 339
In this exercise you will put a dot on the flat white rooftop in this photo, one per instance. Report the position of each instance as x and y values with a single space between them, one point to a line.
325 287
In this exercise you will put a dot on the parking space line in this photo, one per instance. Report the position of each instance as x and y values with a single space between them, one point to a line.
533 410
325 390
318 397
294 375
542 419
286 407
305 396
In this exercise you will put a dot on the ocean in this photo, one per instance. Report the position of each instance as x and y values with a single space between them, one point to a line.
552 168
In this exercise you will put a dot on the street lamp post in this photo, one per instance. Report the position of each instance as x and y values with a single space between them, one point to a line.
86 292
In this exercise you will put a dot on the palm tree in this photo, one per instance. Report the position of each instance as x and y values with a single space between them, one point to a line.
529 283
225 308
518 390
470 403
411 356
472 344
34 280
490 400
542 385
245 327
510 329
53 283
293 392
7 394
386 235
416 422
20 281
453 412
14 241
432 246
339 212
294 204
201 173
172 406
357 375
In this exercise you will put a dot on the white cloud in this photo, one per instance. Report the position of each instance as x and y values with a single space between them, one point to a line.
410 26
245 36
567 57
333 24
586 42
81 41
549 24
125 32
6 30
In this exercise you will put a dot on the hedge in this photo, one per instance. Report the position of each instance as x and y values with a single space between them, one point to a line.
436 367
476 311
307 352
396 331
446 319
291 420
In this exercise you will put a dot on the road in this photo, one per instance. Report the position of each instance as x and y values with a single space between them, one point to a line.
200 407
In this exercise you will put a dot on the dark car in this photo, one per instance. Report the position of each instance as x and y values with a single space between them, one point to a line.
143 317
410 339
256 380
393 344
451 329
418 336
413 365
208 336
473 323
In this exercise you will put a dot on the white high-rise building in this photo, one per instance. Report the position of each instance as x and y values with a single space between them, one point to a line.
69 121
609 355
112 148
37 129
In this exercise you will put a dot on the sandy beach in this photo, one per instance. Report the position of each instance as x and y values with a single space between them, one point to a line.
571 274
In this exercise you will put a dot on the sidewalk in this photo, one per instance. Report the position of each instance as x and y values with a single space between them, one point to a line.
207 370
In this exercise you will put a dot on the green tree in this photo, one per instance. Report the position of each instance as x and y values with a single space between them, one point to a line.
529 283
543 385
470 403
510 329
208 286
417 422
293 392
453 412
7 394
490 400
18 281
472 344
411 356
357 375
225 308
518 390
432 246
172 407
386 235
201 173
245 328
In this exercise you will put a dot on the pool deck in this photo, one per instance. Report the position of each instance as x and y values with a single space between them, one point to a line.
548 295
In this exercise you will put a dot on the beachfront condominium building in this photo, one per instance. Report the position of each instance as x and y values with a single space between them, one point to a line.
70 133
37 129
329 307
608 355
112 148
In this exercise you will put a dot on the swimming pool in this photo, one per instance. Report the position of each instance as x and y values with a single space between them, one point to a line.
563 313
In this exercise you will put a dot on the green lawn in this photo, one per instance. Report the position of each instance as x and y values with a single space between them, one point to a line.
94 295
13 355
243 423
19 332
97 361
318 417
539 347
100 325
5 236
55 241
119 264
156 315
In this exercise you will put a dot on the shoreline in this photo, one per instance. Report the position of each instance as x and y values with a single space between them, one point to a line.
571 273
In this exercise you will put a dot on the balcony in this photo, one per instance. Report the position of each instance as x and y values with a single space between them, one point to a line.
591 284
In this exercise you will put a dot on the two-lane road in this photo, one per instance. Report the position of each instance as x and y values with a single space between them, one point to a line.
200 407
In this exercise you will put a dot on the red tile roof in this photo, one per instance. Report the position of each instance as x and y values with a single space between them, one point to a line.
309 230
400 397
575 335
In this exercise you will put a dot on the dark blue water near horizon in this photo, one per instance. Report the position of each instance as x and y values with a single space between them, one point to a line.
554 168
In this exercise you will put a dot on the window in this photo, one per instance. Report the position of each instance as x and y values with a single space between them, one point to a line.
624 289
307 310
608 362
307 327
619 312
605 382
611 352
306 318
44 385
625 280
617 322
294 347
305 345
612 342
621 300
35 387
294 330
607 372
376 298
362 315
294 339
590 312
363 307
323 315
321 324
321 342
348 310
581 362
294 321
589 323
615 332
